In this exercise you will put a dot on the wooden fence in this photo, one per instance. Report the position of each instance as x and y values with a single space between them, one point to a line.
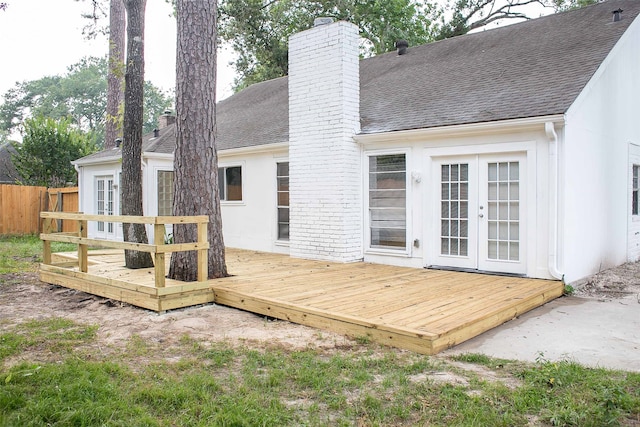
20 207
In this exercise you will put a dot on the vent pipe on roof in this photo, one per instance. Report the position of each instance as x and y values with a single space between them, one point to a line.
402 46
616 15
156 133
118 142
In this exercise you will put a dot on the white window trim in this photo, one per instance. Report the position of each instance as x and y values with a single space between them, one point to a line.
278 241
406 252
635 217
241 165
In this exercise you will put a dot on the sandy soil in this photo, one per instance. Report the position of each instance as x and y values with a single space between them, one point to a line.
23 297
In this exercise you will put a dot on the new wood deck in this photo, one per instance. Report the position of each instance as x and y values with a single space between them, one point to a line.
421 310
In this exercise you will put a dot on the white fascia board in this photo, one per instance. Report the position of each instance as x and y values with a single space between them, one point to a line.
98 161
461 130
266 148
158 156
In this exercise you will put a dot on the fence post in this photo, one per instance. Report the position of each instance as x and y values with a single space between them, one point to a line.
46 244
203 258
158 239
83 262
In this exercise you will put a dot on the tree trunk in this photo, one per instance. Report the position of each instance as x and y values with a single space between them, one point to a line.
196 160
115 87
132 144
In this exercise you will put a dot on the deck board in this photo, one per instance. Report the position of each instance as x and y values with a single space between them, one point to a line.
416 309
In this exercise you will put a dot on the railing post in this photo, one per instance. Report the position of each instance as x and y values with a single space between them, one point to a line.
203 256
83 262
46 249
158 239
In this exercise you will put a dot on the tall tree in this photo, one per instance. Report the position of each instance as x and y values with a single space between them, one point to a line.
49 146
80 94
132 138
115 76
196 159
258 30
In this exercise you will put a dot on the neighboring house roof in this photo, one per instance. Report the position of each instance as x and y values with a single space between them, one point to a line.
530 69
8 172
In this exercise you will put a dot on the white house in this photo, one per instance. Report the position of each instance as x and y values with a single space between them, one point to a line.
513 150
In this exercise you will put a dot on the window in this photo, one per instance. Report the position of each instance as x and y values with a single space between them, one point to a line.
634 190
230 183
165 193
454 207
105 201
387 201
283 200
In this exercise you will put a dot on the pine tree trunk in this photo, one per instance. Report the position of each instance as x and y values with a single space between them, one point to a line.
132 138
196 160
115 87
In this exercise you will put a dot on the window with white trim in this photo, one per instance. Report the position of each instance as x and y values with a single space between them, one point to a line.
282 176
230 183
634 190
388 201
165 193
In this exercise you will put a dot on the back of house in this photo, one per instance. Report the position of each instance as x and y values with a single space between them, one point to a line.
514 150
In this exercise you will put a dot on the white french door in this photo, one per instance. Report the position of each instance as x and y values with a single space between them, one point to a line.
480 213
105 201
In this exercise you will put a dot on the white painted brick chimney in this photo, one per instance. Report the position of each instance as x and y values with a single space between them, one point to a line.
325 162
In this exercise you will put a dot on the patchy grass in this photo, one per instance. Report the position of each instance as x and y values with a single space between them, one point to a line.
55 372
23 253
219 384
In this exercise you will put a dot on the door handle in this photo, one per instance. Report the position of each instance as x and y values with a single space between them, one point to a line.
481 215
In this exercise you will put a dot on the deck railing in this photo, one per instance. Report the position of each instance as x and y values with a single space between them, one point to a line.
158 249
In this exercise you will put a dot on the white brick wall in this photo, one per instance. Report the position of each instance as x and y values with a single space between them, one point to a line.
325 162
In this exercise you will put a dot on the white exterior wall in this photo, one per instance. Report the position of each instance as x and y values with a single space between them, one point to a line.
325 162
633 245
87 203
424 148
252 223
600 125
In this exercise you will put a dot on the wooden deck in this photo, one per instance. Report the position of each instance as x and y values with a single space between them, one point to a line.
421 310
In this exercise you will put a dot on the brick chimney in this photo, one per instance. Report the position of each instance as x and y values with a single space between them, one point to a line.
324 160
166 119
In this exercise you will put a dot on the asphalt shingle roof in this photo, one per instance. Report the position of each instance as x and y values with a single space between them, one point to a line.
534 68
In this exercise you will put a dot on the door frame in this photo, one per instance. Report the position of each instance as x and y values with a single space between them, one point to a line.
431 225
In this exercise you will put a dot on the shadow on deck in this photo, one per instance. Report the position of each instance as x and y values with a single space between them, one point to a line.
421 310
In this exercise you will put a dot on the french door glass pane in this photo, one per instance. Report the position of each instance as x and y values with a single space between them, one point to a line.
454 209
503 211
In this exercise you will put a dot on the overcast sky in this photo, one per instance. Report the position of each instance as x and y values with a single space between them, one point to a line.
41 38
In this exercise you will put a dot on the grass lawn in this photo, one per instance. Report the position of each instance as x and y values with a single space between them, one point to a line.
55 372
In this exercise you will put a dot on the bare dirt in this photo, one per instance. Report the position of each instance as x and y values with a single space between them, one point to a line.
613 283
23 297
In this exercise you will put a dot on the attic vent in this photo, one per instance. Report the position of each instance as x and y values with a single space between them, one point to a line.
402 46
616 15
322 21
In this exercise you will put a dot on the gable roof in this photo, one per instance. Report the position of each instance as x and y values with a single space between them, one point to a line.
530 69
534 68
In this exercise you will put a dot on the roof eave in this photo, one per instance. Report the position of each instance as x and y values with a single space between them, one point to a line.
460 130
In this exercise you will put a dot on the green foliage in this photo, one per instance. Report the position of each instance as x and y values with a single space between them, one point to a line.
22 253
259 31
55 336
218 384
80 94
48 147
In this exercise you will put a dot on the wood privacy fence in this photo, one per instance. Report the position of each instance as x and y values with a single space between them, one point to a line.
20 207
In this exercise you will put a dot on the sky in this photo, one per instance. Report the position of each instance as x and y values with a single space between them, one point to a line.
41 38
